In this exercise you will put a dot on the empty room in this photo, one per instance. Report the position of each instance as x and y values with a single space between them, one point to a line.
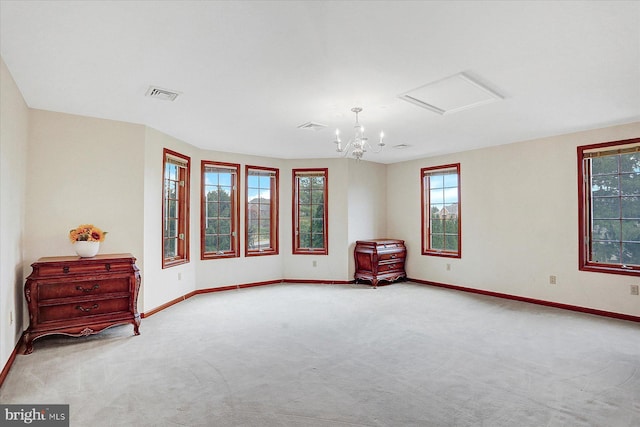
320 213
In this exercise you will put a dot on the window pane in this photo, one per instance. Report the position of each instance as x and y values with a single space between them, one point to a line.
451 242
305 225
318 212
606 185
304 196
606 207
252 180
170 248
318 225
225 210
317 196
451 226
305 240
630 162
172 228
317 241
451 195
304 182
437 241
224 243
436 181
605 229
630 207
225 227
630 184
630 230
631 253
451 180
211 243
436 196
318 182
437 226
212 195
604 165
605 252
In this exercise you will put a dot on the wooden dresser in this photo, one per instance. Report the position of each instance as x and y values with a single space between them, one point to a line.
380 259
81 296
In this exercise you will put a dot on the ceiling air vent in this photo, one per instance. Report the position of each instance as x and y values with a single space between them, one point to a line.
312 126
164 94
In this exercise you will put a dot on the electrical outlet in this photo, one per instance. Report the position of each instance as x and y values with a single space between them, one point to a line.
11 317
634 289
448 267
552 280
179 276
315 263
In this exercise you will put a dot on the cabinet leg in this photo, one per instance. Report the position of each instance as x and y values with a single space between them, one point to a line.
28 343
136 326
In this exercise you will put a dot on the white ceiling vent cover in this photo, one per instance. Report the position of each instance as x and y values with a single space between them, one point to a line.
312 126
451 94
160 93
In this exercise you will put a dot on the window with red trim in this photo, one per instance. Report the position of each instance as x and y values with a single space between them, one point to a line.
261 211
220 210
441 219
310 211
175 208
609 210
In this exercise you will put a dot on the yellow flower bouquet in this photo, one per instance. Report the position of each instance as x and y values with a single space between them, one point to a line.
86 233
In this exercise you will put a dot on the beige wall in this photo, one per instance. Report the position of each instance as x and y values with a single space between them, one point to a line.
519 212
13 157
367 207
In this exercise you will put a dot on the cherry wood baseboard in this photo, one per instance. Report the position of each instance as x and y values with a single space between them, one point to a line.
319 282
12 358
206 291
570 307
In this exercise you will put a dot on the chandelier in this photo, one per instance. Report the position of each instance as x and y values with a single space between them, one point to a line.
359 144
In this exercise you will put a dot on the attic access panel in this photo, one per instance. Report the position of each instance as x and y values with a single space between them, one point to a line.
451 94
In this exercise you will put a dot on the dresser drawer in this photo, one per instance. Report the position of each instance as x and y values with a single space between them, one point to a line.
51 313
391 255
74 289
391 266
75 268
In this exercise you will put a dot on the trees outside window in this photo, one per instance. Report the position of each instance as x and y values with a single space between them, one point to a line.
261 211
220 210
441 225
175 208
609 210
310 211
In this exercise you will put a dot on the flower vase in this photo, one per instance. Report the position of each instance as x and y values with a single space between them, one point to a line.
86 249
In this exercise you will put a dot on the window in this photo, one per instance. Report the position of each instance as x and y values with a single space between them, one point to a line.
220 210
261 211
441 225
175 209
609 210
310 211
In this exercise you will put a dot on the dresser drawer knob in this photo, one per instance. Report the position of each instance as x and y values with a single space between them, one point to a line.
81 308
394 256
80 288
65 269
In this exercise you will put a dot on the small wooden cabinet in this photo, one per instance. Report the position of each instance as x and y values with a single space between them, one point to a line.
380 259
81 296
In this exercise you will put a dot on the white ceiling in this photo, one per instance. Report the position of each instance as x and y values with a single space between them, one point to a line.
250 72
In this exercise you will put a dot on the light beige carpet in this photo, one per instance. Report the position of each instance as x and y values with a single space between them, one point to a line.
343 355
